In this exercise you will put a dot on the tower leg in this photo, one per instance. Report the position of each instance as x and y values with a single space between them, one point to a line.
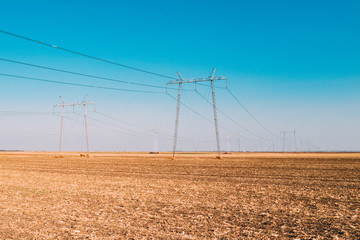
215 118
177 119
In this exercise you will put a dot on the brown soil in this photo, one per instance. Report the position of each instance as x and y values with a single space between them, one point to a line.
195 196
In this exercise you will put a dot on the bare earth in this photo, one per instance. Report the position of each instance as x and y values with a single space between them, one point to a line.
138 195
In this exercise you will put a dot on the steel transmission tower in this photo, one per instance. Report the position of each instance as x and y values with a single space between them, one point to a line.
283 145
155 141
228 143
238 138
295 140
181 81
63 105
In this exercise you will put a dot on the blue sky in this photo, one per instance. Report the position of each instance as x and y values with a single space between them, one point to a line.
293 64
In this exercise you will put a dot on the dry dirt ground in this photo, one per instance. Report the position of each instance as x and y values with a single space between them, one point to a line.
196 196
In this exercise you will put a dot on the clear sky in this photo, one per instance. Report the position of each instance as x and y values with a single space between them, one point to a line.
293 64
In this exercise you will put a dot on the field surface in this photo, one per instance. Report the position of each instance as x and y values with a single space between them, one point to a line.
195 196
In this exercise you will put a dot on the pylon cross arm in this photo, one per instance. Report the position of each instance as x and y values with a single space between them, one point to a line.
195 80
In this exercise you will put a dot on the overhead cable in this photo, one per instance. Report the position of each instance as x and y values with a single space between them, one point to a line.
117 126
82 74
85 55
130 124
93 125
23 113
195 112
251 115
76 84
227 116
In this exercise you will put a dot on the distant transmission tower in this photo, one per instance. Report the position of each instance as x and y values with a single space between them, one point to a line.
295 140
289 133
155 140
238 139
181 81
63 105
155 149
228 143
283 145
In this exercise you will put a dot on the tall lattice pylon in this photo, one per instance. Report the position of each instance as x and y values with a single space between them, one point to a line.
181 81
63 105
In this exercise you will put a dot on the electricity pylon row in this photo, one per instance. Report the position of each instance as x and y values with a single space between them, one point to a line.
285 133
211 78
63 105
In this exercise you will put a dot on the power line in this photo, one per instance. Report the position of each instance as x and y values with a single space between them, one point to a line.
75 84
114 127
191 109
221 127
227 116
205 85
93 125
137 133
147 134
137 126
85 55
134 133
131 124
195 112
251 115
88 75
122 121
82 74
15 113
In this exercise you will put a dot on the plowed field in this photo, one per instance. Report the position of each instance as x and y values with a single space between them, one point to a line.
195 196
